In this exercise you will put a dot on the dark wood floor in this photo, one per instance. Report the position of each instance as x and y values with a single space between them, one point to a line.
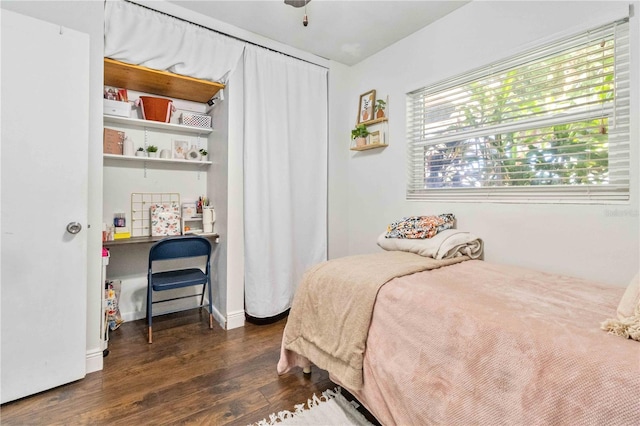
189 375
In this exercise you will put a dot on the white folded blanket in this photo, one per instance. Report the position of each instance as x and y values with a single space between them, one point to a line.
445 244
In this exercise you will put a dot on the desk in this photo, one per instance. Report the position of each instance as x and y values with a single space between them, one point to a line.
129 257
143 240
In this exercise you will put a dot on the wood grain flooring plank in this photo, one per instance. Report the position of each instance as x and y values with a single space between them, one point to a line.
189 375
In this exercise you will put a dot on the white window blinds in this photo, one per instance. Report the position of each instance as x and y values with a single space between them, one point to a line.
549 125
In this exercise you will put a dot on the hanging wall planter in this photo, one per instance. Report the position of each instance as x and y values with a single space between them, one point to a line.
359 134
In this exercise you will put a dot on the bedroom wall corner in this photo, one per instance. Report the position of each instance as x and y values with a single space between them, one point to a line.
340 120
234 304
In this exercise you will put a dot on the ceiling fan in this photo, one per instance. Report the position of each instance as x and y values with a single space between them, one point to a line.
300 3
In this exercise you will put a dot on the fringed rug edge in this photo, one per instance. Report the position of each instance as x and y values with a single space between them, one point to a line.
314 401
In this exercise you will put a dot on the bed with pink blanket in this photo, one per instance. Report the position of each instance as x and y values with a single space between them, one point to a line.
458 342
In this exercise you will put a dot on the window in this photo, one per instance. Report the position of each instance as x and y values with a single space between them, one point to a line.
550 125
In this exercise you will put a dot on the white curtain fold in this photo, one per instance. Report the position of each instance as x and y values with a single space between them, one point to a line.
140 36
285 176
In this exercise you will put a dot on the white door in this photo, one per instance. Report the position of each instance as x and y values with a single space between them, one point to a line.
43 149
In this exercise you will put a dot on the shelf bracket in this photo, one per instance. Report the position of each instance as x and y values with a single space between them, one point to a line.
146 145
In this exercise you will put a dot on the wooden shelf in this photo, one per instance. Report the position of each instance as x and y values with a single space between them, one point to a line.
374 121
117 157
376 145
367 147
135 77
150 124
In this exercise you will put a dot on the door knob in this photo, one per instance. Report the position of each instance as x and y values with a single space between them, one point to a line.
73 227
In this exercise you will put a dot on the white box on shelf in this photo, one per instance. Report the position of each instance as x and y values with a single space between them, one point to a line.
117 108
195 120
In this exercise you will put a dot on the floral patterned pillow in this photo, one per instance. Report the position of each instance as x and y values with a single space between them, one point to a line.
420 226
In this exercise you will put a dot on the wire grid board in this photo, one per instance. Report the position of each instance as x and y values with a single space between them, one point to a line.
140 210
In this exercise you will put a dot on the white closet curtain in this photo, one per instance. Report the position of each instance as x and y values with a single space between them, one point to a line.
140 36
285 176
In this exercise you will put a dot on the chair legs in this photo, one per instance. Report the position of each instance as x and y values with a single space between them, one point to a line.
150 313
210 304
149 308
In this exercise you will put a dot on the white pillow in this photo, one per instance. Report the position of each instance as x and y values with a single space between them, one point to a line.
627 324
630 299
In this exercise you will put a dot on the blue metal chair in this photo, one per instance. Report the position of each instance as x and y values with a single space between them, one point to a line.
179 248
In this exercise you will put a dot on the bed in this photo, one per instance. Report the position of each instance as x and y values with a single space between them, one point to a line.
459 341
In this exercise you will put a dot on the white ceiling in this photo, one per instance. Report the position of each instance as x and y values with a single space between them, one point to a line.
343 31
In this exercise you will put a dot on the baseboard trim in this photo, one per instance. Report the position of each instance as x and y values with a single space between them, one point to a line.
94 361
217 315
235 320
133 316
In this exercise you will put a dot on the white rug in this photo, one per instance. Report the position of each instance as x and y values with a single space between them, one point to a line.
331 408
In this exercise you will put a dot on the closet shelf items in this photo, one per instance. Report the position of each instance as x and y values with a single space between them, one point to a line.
170 127
155 160
135 77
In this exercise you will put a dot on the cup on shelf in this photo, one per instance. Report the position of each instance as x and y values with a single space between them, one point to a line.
208 218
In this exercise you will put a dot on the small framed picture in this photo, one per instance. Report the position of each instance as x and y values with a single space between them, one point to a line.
374 138
180 149
366 105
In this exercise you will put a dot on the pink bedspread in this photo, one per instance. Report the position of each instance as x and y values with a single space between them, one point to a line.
480 343
331 312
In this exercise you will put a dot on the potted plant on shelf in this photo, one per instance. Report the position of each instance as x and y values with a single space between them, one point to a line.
140 152
203 154
380 107
359 134
152 151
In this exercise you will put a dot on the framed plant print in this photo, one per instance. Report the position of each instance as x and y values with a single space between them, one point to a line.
180 149
374 138
366 106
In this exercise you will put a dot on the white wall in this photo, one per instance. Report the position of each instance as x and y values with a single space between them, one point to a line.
598 242
235 204
338 160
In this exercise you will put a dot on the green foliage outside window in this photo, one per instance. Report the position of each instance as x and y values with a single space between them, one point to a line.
578 84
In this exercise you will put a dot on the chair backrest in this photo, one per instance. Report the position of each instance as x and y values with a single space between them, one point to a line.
180 247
